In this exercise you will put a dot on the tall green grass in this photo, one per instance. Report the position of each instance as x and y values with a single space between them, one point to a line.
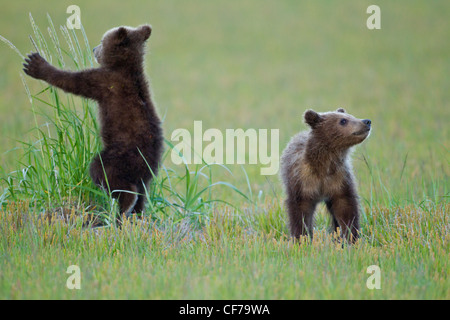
54 172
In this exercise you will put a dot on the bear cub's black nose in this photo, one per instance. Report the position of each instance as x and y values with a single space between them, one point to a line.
367 122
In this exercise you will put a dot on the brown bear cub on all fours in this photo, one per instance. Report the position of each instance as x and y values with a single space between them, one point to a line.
315 167
130 127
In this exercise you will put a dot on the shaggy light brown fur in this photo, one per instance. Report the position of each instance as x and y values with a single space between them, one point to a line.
315 167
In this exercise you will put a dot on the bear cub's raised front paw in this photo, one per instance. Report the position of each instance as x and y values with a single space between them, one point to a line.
35 65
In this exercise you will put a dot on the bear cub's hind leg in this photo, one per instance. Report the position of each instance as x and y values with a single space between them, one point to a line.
140 203
129 197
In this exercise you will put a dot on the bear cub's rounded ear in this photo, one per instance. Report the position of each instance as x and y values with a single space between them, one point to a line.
145 31
341 110
312 118
121 34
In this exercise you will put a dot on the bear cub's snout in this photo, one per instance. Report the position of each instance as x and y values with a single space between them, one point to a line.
367 122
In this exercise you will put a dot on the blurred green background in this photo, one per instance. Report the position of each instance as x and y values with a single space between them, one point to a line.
260 64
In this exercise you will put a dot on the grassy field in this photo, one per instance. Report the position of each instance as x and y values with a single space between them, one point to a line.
235 64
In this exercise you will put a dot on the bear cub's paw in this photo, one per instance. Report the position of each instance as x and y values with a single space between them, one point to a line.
35 66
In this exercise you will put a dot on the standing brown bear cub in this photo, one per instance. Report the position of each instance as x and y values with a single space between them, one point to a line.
315 167
130 127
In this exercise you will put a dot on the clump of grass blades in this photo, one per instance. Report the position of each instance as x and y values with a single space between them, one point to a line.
54 171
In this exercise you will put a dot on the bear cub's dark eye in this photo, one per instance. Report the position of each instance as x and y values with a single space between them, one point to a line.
343 122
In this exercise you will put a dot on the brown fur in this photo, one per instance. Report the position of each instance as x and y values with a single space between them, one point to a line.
315 166
129 122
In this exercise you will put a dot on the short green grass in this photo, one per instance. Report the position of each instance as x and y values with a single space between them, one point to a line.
244 65
233 257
